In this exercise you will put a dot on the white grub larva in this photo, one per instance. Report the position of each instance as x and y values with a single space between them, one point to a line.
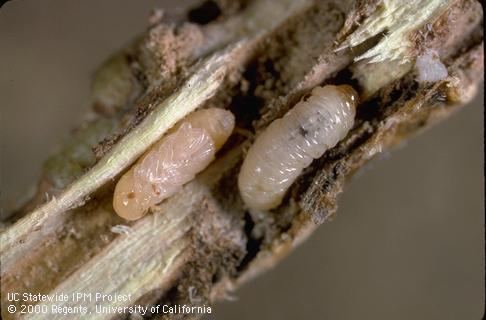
289 144
173 161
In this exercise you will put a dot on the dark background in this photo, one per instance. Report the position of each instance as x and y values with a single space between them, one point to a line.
407 242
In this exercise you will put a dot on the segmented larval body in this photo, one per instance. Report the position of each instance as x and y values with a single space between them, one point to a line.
289 144
173 161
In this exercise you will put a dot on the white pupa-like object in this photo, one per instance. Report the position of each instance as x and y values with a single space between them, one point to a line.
173 161
289 144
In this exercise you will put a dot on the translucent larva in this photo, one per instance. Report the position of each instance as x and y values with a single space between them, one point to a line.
289 144
173 161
